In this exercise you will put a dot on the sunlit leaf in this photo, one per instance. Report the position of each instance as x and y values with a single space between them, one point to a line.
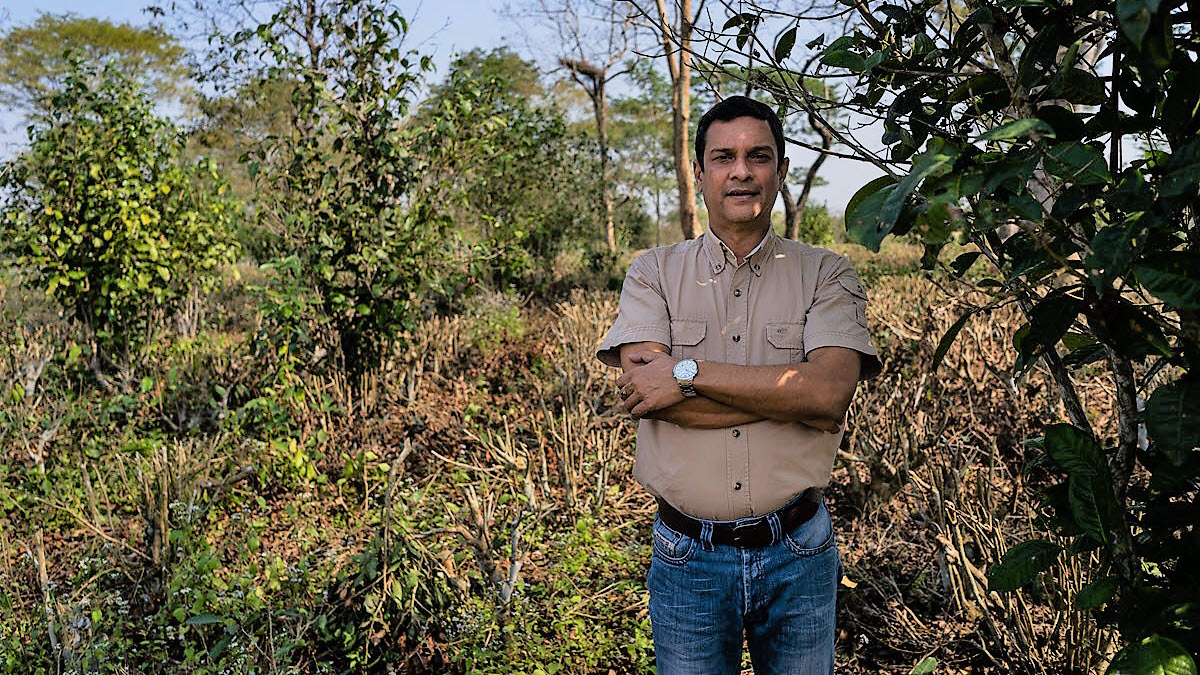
1155 655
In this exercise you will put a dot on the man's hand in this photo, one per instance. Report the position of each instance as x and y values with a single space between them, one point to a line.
651 386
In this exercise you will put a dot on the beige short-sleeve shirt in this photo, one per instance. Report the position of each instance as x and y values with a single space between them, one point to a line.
785 300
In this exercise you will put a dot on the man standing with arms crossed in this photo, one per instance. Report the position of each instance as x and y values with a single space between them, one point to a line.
741 351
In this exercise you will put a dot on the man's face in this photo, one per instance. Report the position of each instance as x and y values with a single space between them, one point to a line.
741 173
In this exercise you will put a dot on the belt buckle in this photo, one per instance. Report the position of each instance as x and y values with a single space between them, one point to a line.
743 530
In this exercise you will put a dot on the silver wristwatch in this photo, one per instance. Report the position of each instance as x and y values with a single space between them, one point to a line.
685 373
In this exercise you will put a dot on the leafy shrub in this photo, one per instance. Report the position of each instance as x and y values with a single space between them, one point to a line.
102 214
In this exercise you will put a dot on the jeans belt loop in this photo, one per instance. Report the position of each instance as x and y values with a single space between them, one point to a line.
706 535
776 528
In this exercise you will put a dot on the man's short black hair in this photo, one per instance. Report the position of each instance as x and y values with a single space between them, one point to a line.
733 108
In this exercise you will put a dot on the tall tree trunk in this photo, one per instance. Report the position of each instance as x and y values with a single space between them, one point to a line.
679 63
600 103
596 79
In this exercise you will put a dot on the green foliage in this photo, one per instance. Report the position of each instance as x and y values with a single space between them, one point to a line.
552 627
105 217
816 226
493 320
345 186
1021 564
392 595
981 156
1099 252
36 60
515 181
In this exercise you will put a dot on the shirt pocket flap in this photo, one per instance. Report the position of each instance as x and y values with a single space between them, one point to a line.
853 287
687 332
786 334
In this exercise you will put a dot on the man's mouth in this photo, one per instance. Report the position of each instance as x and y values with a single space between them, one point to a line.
741 193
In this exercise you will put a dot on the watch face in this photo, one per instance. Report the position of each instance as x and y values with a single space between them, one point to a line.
685 369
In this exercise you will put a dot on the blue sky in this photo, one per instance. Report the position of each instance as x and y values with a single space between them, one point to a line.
441 28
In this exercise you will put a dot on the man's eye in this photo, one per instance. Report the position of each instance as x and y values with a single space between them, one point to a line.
761 157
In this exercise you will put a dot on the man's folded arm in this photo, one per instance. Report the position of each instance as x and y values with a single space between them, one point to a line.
699 412
816 392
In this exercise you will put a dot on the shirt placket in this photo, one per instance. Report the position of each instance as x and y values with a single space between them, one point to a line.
737 350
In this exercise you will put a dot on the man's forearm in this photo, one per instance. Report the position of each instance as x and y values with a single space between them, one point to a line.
702 412
815 392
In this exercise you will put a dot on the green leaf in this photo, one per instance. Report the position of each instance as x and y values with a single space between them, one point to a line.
203 619
1094 506
1049 320
1173 417
1135 333
1081 87
1173 277
948 339
1075 450
926 666
937 159
1097 593
1155 655
783 48
1031 127
1077 163
1134 17
841 58
862 213
963 263
1111 253
1021 564
1182 170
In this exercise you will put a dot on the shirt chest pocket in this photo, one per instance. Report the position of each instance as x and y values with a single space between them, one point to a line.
786 340
687 338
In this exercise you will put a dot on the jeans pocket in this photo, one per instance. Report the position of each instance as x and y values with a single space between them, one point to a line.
813 536
670 546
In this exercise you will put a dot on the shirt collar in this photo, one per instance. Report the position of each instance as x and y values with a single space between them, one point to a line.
720 257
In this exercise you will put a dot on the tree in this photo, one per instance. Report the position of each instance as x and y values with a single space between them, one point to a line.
675 29
347 187
999 120
104 215
512 177
643 138
594 41
34 59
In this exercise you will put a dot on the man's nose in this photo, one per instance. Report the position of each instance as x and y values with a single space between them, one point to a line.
740 168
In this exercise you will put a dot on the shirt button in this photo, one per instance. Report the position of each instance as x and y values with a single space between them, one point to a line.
737 293
737 486
737 338
737 432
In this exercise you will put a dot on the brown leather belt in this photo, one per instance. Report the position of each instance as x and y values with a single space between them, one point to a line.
752 532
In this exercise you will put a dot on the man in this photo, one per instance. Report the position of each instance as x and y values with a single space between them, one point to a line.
741 351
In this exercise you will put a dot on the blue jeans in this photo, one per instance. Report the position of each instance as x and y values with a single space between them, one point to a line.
782 597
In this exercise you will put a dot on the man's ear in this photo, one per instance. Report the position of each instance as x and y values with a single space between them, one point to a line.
698 171
783 169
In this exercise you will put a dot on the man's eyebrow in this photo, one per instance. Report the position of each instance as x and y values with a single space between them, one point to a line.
757 148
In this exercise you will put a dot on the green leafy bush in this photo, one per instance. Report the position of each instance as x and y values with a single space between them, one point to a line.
101 213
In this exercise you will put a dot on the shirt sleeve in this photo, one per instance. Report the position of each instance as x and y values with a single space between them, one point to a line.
642 315
838 316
